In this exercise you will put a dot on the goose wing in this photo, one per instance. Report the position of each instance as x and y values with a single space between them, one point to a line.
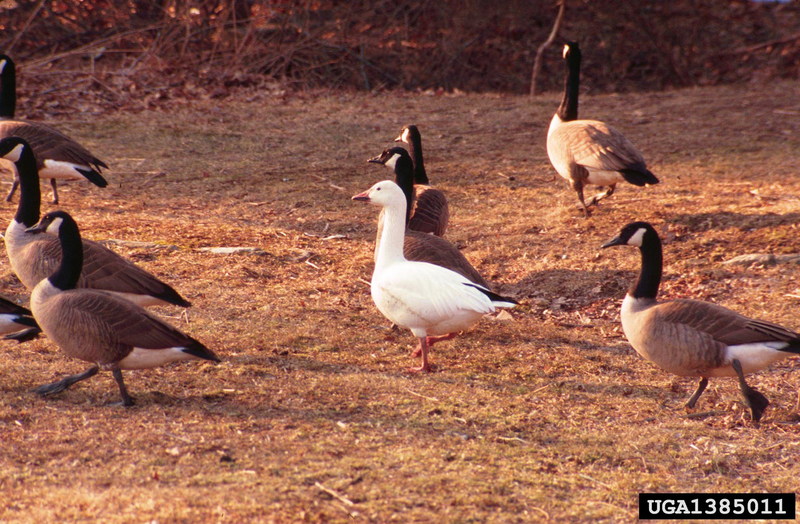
423 247
431 212
49 143
598 146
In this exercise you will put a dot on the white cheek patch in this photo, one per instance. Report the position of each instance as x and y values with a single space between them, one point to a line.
3 63
60 169
55 225
636 238
392 161
404 136
565 51
15 153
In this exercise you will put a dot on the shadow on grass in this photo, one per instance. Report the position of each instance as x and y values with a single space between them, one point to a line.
726 219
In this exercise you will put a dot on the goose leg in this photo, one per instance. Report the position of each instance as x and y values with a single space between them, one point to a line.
426 366
55 190
64 383
123 391
699 391
578 187
14 186
431 341
754 400
599 196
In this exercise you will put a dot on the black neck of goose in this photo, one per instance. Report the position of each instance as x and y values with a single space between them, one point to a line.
415 145
30 196
568 110
652 261
8 92
404 177
66 276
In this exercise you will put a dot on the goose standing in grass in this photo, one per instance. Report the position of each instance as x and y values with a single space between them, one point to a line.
58 156
35 257
16 322
97 326
418 245
430 213
695 338
431 301
589 151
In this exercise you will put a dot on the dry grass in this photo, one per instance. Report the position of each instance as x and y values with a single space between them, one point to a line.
311 417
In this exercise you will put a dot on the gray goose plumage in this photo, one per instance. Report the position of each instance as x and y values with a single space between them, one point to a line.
98 326
34 257
419 246
589 151
430 213
57 155
16 322
695 338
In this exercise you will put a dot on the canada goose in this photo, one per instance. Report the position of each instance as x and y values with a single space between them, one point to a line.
589 151
431 212
57 155
34 257
433 302
17 321
98 326
420 246
695 338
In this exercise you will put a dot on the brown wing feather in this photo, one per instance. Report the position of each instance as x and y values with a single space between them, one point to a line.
431 212
598 146
49 143
424 247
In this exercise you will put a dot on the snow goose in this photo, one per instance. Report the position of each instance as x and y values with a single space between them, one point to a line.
97 326
57 155
695 338
431 301
34 257
431 212
589 151
418 245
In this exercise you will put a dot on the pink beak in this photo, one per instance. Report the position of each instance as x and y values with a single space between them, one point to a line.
363 197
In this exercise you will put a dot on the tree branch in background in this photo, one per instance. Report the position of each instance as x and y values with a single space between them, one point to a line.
537 63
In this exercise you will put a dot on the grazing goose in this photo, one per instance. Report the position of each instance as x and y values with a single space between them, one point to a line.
97 326
431 301
17 321
430 213
420 246
58 156
589 151
695 338
34 257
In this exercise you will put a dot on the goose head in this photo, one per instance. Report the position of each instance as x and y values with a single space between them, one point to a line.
11 148
393 157
51 223
572 52
385 194
408 134
634 234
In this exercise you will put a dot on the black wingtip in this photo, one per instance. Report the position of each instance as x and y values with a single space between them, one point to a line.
198 350
94 177
494 297
639 177
25 335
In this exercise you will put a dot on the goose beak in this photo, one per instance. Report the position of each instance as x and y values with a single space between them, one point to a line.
376 159
362 197
38 228
399 138
616 241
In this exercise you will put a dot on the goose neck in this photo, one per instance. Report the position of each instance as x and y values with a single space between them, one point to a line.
8 92
69 270
404 177
420 175
646 286
30 196
392 236
568 110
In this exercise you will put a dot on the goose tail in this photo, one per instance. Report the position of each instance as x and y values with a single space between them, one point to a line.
639 177
497 300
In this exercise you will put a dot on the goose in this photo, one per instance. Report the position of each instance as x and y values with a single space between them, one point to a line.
694 338
34 257
98 326
431 212
420 246
431 301
589 151
58 156
17 322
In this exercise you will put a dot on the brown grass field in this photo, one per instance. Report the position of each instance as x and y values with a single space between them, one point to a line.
311 416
